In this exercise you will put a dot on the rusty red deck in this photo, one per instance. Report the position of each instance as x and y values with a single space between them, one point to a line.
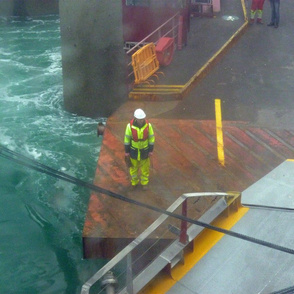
185 160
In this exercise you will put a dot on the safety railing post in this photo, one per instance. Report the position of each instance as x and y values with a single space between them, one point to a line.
184 224
173 28
129 274
180 32
109 283
159 34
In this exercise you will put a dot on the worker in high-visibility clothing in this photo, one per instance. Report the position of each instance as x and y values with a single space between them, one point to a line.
139 143
256 6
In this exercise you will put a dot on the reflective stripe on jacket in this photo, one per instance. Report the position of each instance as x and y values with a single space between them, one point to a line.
139 141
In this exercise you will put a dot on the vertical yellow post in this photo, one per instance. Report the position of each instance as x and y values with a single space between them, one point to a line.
219 132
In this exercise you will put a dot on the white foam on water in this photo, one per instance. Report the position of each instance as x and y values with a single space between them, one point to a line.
32 152
34 124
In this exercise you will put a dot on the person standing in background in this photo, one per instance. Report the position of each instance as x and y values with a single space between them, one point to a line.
256 7
275 17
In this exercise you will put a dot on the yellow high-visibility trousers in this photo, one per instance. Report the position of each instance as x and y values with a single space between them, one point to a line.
143 166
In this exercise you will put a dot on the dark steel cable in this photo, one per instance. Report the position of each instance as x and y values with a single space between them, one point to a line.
289 290
33 164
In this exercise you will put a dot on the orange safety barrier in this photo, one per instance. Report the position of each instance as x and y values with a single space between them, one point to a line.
144 63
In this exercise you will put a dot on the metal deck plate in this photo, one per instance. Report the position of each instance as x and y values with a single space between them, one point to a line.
237 266
275 190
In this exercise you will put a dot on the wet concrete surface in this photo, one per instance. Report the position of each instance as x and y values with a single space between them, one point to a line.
254 79
207 35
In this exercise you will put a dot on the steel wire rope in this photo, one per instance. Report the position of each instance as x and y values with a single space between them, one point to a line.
35 165
268 207
289 290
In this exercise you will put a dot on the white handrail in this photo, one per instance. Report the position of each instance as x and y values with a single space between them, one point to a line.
142 42
155 31
122 254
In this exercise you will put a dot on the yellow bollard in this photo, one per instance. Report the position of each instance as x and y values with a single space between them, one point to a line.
219 132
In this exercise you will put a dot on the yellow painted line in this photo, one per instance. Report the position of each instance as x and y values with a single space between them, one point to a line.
159 86
217 54
155 90
290 160
244 10
202 244
219 132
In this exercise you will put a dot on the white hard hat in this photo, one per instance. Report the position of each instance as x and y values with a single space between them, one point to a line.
139 113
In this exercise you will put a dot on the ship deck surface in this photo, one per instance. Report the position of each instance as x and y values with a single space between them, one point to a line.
254 81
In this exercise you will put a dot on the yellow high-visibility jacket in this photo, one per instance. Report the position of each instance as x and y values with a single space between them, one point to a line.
139 141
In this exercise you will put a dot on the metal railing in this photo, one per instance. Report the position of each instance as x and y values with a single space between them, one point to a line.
167 29
126 257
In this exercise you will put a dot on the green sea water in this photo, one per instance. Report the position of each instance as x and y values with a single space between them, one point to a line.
41 218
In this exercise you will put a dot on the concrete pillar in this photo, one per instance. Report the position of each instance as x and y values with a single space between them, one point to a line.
42 7
6 8
93 59
24 8
19 8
